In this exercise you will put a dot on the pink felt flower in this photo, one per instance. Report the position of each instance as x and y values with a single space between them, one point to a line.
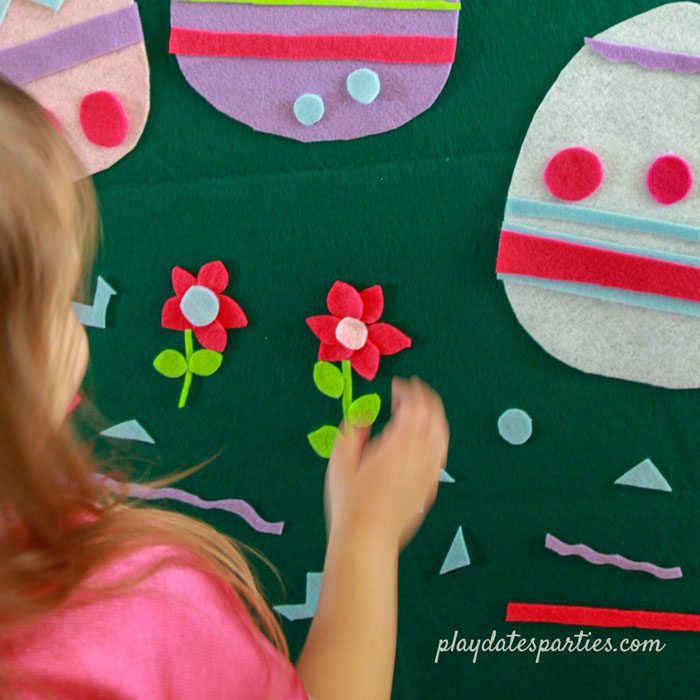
352 332
200 306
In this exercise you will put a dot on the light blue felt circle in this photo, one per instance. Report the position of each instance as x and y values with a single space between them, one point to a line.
515 426
363 85
309 109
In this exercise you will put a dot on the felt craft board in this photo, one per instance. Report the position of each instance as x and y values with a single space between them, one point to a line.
416 210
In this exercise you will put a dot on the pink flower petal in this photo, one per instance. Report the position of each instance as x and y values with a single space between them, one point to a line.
366 361
389 340
231 315
172 316
344 300
212 336
213 275
334 353
182 280
373 303
323 327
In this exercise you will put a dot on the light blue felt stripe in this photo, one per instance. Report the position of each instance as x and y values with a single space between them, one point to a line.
621 296
53 4
516 206
606 245
4 7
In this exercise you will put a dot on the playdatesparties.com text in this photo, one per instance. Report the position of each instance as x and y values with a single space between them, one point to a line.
582 642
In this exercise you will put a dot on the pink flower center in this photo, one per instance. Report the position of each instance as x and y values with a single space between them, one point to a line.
351 333
199 305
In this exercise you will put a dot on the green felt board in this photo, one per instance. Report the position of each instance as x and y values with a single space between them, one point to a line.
416 210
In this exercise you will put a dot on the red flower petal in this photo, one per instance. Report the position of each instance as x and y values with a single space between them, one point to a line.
230 313
213 275
373 302
182 280
334 353
366 361
344 300
323 327
212 336
389 340
172 317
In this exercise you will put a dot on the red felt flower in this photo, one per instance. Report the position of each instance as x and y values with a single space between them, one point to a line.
352 332
200 306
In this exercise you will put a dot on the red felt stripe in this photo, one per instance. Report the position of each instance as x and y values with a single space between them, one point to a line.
549 258
305 47
602 617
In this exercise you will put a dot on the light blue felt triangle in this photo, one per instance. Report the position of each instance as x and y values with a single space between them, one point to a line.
645 475
129 430
458 556
306 610
445 478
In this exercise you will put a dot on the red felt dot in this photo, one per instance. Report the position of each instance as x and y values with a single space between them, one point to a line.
574 174
103 119
670 179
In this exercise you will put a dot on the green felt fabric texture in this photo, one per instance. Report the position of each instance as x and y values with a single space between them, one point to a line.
416 210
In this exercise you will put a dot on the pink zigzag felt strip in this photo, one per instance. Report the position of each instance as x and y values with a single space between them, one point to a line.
653 59
590 555
232 505
71 46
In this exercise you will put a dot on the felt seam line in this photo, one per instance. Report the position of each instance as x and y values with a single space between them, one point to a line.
231 505
516 206
384 48
602 617
444 5
71 46
536 256
653 59
590 555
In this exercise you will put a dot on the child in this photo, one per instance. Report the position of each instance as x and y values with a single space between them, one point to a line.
103 599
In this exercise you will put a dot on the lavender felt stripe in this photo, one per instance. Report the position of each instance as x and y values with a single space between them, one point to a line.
312 20
232 505
76 44
653 59
593 557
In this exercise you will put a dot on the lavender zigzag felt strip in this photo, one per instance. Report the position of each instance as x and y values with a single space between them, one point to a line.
653 59
65 48
231 505
590 555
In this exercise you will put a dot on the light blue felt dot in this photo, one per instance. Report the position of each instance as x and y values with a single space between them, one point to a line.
515 426
309 109
363 85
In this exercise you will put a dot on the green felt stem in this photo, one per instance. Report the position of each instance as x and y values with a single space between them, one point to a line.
189 351
347 387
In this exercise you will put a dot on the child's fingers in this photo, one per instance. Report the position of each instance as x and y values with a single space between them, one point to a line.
348 448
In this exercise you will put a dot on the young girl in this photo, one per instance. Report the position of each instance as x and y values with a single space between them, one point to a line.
104 599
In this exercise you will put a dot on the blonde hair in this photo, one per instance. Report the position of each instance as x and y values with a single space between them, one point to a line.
57 524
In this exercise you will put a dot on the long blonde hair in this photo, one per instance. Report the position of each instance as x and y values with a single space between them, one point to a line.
57 524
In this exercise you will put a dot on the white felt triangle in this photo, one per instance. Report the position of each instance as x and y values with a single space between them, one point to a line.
458 556
129 430
645 476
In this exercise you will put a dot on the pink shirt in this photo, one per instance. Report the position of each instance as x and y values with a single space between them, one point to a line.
179 634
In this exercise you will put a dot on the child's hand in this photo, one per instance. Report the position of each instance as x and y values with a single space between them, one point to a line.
386 486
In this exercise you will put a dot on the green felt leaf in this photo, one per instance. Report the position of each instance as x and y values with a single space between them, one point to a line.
205 362
171 363
328 379
322 440
364 411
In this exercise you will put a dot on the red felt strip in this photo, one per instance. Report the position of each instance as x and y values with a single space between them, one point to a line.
602 617
549 258
306 47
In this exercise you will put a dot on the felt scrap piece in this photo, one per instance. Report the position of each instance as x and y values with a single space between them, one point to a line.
653 59
457 556
515 426
445 478
4 7
582 616
363 85
590 555
74 403
670 179
129 430
574 174
72 45
95 314
103 119
307 609
645 475
444 5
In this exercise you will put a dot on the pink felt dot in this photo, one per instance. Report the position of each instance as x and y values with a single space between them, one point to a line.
351 333
670 179
103 119
573 174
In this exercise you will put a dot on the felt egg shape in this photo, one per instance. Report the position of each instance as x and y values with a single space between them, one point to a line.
85 62
600 247
316 70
